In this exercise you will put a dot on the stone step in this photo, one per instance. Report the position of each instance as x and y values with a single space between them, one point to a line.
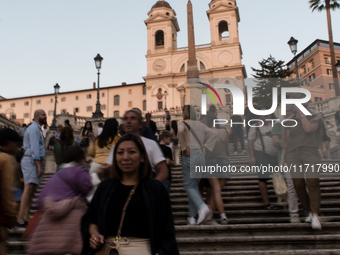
255 230
251 206
256 213
258 198
233 243
267 252
264 220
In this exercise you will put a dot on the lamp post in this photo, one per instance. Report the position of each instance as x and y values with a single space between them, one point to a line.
293 47
54 122
165 94
98 61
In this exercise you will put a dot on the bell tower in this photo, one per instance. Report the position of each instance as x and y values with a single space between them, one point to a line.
223 17
162 28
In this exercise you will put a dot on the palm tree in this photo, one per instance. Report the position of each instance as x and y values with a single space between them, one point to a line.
321 5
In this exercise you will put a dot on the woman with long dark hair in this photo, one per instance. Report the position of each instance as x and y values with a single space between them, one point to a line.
86 135
66 140
101 147
130 212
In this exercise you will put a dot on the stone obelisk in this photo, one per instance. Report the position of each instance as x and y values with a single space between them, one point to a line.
192 63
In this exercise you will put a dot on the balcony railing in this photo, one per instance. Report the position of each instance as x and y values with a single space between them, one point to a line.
202 46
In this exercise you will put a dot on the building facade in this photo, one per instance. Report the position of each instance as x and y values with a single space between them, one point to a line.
166 70
315 70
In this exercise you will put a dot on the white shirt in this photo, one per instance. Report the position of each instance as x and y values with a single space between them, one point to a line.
155 153
99 131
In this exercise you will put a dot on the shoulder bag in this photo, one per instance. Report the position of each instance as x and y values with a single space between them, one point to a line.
194 134
111 245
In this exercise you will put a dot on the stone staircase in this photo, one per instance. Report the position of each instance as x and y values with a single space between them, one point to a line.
251 229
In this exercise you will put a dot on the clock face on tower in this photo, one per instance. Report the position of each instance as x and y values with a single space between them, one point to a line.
159 65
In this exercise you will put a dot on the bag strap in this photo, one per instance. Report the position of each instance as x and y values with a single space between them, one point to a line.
124 211
194 134
259 132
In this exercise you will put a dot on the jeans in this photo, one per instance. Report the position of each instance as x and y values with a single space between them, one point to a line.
238 133
191 184
293 205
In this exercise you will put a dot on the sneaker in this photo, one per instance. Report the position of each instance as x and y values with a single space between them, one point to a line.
316 225
244 152
204 213
191 221
224 221
294 219
309 218
235 153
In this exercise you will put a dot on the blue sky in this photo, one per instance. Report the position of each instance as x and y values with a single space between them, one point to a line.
48 42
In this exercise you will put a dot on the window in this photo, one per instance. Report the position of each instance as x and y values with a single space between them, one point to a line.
327 60
75 110
317 99
88 96
51 100
202 66
103 107
144 105
12 104
160 105
116 114
304 82
0 106
38 102
228 98
130 91
311 77
311 64
144 90
89 108
77 97
223 30
103 94
26 115
331 86
130 104
116 100
304 70
182 69
50 113
63 111
12 116
63 99
26 103
329 72
159 37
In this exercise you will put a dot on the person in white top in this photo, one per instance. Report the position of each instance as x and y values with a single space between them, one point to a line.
133 123
99 129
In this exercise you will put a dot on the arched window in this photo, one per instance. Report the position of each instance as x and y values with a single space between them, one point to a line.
182 69
144 90
223 30
202 66
159 37
116 100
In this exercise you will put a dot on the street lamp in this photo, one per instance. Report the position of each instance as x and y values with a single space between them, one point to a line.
165 94
56 92
293 47
98 62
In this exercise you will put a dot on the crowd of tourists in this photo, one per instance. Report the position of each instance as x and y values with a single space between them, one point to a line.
111 187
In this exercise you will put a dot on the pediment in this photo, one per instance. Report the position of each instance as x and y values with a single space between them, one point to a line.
220 7
157 17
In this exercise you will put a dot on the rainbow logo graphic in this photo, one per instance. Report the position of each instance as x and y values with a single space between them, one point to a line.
209 93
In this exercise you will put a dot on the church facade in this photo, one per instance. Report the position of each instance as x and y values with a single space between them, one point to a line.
167 67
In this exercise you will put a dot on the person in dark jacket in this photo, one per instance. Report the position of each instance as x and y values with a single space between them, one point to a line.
148 224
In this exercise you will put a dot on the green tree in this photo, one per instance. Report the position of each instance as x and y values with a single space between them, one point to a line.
328 5
271 75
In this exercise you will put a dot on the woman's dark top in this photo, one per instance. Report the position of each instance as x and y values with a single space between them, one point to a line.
136 218
161 230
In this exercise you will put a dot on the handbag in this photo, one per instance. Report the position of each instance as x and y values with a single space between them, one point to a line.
111 245
84 143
